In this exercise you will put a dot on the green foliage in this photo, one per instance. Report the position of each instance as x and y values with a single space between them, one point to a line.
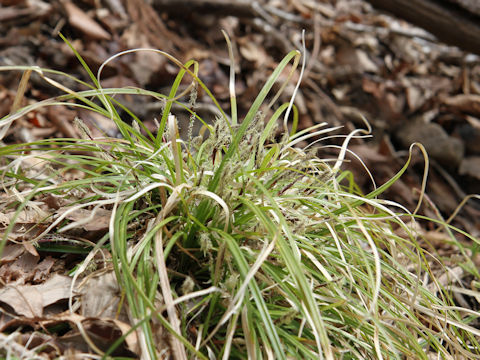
251 246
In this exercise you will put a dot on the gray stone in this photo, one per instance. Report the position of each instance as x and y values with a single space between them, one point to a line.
445 149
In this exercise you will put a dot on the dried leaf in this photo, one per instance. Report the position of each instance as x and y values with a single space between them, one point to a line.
43 269
357 59
80 20
30 248
100 297
11 252
415 98
30 300
470 166
89 220
466 103
103 332
21 270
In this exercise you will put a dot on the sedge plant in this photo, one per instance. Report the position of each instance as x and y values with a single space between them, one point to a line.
237 243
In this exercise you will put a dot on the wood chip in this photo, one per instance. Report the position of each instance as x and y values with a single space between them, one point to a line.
81 21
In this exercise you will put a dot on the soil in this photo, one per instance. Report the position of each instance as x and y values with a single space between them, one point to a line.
361 64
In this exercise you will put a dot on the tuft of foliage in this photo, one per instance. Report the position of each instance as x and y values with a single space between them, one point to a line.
235 244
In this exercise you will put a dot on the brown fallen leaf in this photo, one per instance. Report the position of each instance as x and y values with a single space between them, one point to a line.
43 269
63 119
415 98
25 216
357 59
81 21
470 166
30 300
465 102
11 13
19 271
101 297
98 124
103 333
26 224
11 252
30 248
89 220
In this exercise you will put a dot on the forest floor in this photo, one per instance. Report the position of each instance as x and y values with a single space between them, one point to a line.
360 64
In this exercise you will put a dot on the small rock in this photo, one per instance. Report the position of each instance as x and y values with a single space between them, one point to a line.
470 172
445 149
471 137
470 166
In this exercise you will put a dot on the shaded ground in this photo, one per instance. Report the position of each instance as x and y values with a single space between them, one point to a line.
410 87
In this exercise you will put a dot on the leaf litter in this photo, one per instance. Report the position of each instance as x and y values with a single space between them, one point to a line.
408 85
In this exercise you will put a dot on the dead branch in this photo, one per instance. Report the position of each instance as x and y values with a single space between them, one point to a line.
455 25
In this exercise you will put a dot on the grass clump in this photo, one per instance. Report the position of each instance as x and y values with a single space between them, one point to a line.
237 245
